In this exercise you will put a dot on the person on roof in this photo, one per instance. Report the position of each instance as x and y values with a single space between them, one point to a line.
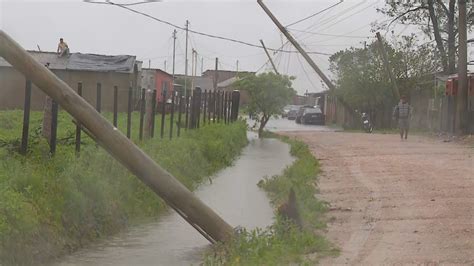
63 49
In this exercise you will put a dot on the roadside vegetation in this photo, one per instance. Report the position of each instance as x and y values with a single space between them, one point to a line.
283 243
53 205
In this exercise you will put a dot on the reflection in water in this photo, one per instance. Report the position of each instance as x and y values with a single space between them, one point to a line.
171 241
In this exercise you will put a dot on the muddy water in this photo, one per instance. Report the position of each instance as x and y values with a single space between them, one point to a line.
233 194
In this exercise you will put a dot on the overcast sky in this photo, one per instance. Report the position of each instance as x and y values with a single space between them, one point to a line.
105 29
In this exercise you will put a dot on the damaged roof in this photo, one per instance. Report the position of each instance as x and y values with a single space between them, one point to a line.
83 62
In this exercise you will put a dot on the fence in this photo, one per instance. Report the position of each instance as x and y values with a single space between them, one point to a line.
197 110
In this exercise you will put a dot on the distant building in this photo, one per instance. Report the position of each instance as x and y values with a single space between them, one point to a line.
159 80
205 83
89 69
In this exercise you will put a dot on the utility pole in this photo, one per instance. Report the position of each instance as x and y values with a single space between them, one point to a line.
461 106
174 51
216 75
186 61
297 46
165 65
395 90
149 63
202 65
237 66
193 65
269 58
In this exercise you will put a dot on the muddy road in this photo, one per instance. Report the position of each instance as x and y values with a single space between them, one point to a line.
395 202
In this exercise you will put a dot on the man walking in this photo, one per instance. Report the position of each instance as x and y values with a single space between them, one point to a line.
63 48
402 113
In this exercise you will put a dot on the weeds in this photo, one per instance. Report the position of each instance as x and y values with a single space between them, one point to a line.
53 205
282 243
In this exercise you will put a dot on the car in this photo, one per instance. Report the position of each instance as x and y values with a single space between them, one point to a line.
300 112
312 116
286 110
293 112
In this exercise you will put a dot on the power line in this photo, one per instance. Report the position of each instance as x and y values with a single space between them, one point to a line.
333 35
308 17
193 31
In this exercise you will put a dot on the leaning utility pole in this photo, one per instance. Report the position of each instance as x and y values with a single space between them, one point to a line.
186 61
461 124
216 74
383 53
297 46
175 194
269 58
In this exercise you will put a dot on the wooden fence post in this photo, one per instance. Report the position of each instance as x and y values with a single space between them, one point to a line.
173 96
148 113
142 114
204 105
153 113
26 118
78 124
163 113
98 104
129 113
115 106
180 108
235 105
186 118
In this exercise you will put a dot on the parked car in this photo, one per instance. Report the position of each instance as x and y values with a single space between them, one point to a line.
293 112
313 116
300 112
286 110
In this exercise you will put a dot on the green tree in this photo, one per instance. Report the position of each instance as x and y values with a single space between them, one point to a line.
437 19
268 94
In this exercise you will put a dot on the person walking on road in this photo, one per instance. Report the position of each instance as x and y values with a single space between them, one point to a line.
402 113
63 48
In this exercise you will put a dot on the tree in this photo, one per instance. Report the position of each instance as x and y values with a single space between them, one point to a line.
268 94
436 19
362 82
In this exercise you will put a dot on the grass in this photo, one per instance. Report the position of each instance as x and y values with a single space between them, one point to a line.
53 205
281 243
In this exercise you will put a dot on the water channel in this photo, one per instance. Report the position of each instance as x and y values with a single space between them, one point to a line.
233 194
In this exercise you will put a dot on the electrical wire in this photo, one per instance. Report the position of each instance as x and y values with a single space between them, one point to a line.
315 14
193 31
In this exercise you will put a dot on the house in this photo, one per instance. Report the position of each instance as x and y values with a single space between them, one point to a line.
205 83
228 86
89 69
159 80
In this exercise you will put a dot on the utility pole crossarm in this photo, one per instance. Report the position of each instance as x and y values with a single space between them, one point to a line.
269 57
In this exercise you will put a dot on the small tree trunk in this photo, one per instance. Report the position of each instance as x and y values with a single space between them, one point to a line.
263 122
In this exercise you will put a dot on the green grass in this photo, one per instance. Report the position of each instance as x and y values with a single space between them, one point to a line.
281 244
53 205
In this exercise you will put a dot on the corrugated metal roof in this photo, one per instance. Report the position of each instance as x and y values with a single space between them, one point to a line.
83 62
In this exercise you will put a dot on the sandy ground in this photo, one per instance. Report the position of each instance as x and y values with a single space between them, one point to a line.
396 202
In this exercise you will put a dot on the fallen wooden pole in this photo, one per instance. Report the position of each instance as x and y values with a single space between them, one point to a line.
175 194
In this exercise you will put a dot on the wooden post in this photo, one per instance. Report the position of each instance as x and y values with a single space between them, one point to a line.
180 109
129 113
148 113
173 95
142 114
54 127
153 113
209 107
198 101
186 117
204 105
269 58
383 53
214 106
98 104
225 107
235 105
26 118
115 106
229 107
175 194
78 125
163 113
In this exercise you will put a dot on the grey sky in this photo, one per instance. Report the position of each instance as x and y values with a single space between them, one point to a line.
105 29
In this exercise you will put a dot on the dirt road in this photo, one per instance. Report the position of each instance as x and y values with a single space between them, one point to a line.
395 202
